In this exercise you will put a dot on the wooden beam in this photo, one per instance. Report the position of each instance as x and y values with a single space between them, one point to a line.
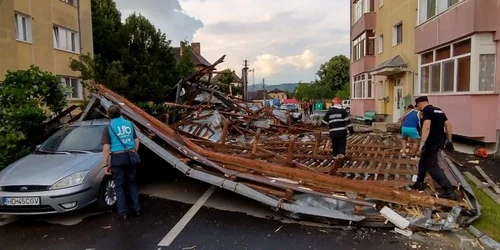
488 192
291 146
224 131
488 179
255 142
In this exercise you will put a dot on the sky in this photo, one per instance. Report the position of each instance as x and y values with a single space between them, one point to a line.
284 41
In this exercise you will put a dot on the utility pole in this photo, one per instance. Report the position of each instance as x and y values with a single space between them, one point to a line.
264 90
244 78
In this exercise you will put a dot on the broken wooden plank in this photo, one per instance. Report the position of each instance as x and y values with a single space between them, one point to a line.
488 179
224 131
488 192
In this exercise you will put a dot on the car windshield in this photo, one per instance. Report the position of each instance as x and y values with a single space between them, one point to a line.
75 139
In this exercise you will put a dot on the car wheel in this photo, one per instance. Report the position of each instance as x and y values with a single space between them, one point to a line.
107 195
348 110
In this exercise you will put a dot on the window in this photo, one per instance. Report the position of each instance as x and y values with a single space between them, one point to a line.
362 86
65 39
431 8
75 85
72 2
381 44
380 3
448 69
361 7
397 34
486 72
362 47
23 27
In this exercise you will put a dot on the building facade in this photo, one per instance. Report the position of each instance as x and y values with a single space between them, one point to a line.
47 34
363 22
457 42
394 75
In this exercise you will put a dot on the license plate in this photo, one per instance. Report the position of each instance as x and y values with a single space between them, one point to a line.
22 201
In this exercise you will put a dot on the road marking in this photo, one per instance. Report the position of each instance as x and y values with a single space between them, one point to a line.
174 232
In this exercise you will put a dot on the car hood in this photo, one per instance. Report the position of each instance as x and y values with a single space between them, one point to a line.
36 169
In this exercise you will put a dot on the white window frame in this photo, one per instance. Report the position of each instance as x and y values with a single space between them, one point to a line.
360 8
395 34
440 7
363 84
66 82
23 24
361 40
71 2
380 43
380 3
477 48
63 39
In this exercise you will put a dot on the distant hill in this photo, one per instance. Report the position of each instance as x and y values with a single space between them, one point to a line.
290 87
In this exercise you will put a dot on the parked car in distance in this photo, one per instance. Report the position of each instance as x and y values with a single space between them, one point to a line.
63 174
346 104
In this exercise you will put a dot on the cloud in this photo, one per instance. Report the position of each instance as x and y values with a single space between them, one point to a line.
167 15
284 40
270 64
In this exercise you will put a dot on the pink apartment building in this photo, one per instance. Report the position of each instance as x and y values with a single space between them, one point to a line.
362 55
457 42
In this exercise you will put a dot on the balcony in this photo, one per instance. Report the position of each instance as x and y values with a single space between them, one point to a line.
366 22
466 18
364 64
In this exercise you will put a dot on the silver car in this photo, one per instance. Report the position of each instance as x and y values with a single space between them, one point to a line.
64 174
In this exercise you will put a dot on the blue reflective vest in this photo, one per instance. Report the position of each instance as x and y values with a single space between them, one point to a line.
125 131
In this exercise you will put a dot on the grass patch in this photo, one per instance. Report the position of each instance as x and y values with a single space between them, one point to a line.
490 214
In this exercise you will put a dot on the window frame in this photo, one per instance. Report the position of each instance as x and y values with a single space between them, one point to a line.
476 50
363 81
79 91
70 35
27 27
380 43
75 2
395 35
440 7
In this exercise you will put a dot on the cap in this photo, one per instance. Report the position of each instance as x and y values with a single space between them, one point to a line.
421 99
336 100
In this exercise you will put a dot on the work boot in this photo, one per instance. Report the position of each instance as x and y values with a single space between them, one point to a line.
420 186
448 193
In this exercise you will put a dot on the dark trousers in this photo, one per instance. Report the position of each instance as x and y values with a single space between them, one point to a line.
429 163
339 145
124 177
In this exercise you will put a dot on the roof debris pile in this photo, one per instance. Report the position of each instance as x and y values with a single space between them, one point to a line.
286 164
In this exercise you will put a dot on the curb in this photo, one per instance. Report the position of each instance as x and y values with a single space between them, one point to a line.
484 239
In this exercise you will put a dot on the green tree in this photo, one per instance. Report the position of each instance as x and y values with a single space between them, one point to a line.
226 78
186 66
144 69
106 22
345 92
312 91
335 72
27 98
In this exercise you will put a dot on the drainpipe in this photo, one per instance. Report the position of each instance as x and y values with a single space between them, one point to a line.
79 25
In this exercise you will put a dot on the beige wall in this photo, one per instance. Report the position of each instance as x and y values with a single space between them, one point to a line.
8 50
390 14
41 52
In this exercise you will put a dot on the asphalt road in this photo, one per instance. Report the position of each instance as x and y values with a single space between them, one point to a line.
170 221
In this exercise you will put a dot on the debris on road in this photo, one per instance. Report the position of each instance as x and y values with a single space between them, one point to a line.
484 187
266 155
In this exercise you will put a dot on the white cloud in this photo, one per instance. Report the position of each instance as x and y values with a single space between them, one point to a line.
270 64
284 40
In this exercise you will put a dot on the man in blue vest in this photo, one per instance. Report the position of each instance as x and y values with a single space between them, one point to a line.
118 139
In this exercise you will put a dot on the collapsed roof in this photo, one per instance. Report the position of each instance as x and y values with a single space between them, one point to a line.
263 154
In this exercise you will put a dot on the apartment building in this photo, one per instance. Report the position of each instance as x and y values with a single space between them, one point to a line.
457 42
394 75
363 22
46 33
